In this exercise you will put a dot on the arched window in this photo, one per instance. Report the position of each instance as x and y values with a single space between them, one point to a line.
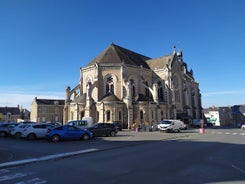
81 114
133 88
109 84
108 115
120 115
160 91
141 115
176 89
133 91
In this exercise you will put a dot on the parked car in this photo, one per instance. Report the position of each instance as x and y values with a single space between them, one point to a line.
243 126
17 130
53 123
103 129
36 131
66 132
5 128
83 124
89 119
118 124
196 123
183 126
170 125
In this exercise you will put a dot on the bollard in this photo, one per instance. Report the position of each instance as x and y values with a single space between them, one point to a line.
202 130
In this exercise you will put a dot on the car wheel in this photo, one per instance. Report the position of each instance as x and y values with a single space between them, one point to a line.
113 133
55 138
31 136
17 135
85 137
3 134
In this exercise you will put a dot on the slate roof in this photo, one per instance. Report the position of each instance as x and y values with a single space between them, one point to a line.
80 99
109 97
49 101
12 110
116 55
160 62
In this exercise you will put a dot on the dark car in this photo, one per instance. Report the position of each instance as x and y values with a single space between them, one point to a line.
67 132
118 124
103 129
5 128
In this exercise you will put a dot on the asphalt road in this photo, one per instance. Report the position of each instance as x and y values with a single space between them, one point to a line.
151 157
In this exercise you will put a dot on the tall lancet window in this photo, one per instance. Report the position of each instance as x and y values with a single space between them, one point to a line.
176 89
160 91
109 84
133 88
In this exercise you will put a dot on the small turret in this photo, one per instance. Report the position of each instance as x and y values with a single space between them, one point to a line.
180 54
174 52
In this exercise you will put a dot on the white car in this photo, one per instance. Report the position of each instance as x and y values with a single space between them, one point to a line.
83 124
243 127
183 125
36 131
171 125
17 130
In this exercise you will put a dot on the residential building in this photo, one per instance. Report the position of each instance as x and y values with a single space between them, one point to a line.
238 115
47 110
218 116
122 85
14 114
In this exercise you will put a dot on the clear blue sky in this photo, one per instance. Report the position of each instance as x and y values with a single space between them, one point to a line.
43 43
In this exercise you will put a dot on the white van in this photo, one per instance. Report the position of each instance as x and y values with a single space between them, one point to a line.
78 123
88 119
171 125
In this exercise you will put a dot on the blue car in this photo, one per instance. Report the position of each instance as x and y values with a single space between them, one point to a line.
67 132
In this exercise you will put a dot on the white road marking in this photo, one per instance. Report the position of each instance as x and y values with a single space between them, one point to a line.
227 133
239 169
3 171
32 181
12 176
45 158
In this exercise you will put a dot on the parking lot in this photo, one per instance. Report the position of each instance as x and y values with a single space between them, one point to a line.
12 149
134 153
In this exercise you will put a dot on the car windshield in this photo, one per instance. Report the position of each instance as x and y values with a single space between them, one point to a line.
165 122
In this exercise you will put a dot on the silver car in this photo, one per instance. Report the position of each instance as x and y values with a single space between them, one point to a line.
17 131
35 131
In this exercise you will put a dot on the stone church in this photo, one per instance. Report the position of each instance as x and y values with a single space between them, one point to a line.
122 85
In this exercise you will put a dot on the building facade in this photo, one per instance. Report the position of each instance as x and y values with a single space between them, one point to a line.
122 85
238 115
47 110
14 114
219 116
